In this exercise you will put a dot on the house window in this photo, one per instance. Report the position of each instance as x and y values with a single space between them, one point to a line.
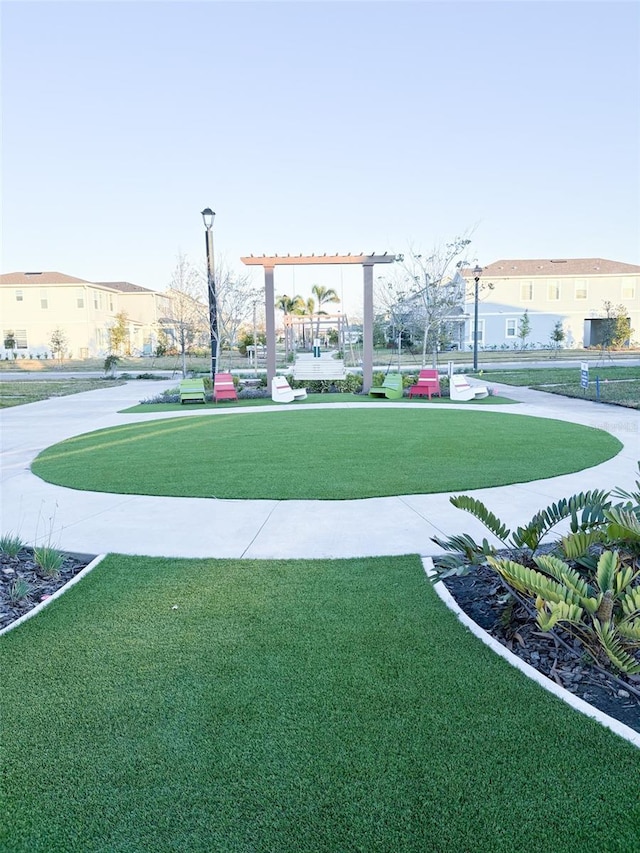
553 291
95 299
511 329
99 338
19 338
19 296
480 332
110 303
44 299
581 289
79 297
526 291
628 289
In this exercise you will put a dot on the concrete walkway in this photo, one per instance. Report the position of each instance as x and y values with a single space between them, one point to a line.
93 523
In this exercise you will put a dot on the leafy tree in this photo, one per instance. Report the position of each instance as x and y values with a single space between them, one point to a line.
524 328
616 328
10 343
557 336
58 342
119 334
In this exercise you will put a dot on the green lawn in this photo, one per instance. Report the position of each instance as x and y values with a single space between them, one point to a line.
19 392
316 706
324 453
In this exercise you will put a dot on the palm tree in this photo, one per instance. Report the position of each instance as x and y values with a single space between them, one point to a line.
306 309
288 305
323 294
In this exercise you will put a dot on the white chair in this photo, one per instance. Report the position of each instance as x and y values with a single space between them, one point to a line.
282 392
461 389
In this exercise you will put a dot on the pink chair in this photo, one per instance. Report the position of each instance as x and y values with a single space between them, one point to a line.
428 383
223 387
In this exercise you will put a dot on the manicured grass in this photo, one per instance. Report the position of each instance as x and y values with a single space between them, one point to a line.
324 453
313 706
617 385
18 392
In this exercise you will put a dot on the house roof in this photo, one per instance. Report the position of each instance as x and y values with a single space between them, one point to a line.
124 286
14 278
555 267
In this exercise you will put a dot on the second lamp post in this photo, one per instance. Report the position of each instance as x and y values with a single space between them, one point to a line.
208 216
477 272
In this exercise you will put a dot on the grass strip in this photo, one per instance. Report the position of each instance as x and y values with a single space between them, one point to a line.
324 454
203 705
18 392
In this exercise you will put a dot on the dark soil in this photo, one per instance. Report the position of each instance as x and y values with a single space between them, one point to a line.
24 568
481 595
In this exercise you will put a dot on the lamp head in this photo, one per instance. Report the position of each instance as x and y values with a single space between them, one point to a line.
207 217
477 271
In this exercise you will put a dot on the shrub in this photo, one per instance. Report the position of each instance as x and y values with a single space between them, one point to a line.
587 585
10 545
48 561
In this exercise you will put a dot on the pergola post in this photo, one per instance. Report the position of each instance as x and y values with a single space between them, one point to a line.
270 322
367 328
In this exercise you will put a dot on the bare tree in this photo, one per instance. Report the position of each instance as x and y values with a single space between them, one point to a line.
186 319
235 296
434 285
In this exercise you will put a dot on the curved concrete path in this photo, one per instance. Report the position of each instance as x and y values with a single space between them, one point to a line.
94 523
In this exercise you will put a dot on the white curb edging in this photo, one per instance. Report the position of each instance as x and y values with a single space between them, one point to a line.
74 580
575 702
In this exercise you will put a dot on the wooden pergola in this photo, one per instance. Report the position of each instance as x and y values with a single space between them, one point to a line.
269 263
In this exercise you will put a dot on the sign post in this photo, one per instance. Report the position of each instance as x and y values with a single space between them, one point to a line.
584 374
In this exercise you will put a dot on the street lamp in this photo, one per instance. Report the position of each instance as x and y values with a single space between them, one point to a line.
477 272
207 217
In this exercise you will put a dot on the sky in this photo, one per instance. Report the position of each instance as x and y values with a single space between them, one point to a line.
312 127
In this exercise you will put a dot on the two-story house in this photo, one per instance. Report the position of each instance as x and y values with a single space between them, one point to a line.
34 304
572 291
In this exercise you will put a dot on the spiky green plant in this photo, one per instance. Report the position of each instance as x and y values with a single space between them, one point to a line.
10 545
603 611
20 590
48 561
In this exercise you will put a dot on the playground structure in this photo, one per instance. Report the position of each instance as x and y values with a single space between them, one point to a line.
269 263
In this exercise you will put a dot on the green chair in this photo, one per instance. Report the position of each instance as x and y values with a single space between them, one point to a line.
391 388
192 391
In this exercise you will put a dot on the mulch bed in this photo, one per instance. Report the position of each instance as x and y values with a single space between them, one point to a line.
24 567
481 595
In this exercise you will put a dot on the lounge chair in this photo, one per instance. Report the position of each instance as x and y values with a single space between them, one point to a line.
192 391
461 389
391 388
428 383
223 387
282 392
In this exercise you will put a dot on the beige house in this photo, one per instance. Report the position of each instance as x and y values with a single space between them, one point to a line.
572 291
34 304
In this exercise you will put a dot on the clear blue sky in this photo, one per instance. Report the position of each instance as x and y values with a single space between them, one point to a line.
316 127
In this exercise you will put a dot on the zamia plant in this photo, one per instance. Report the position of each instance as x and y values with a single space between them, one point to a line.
603 611
586 512
48 561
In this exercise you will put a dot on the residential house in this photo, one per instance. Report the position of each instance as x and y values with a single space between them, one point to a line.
572 291
34 304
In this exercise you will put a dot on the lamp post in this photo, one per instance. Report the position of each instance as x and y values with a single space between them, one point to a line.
207 217
477 272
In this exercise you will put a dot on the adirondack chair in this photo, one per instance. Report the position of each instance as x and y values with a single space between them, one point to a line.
428 383
223 387
192 391
391 388
282 392
461 389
